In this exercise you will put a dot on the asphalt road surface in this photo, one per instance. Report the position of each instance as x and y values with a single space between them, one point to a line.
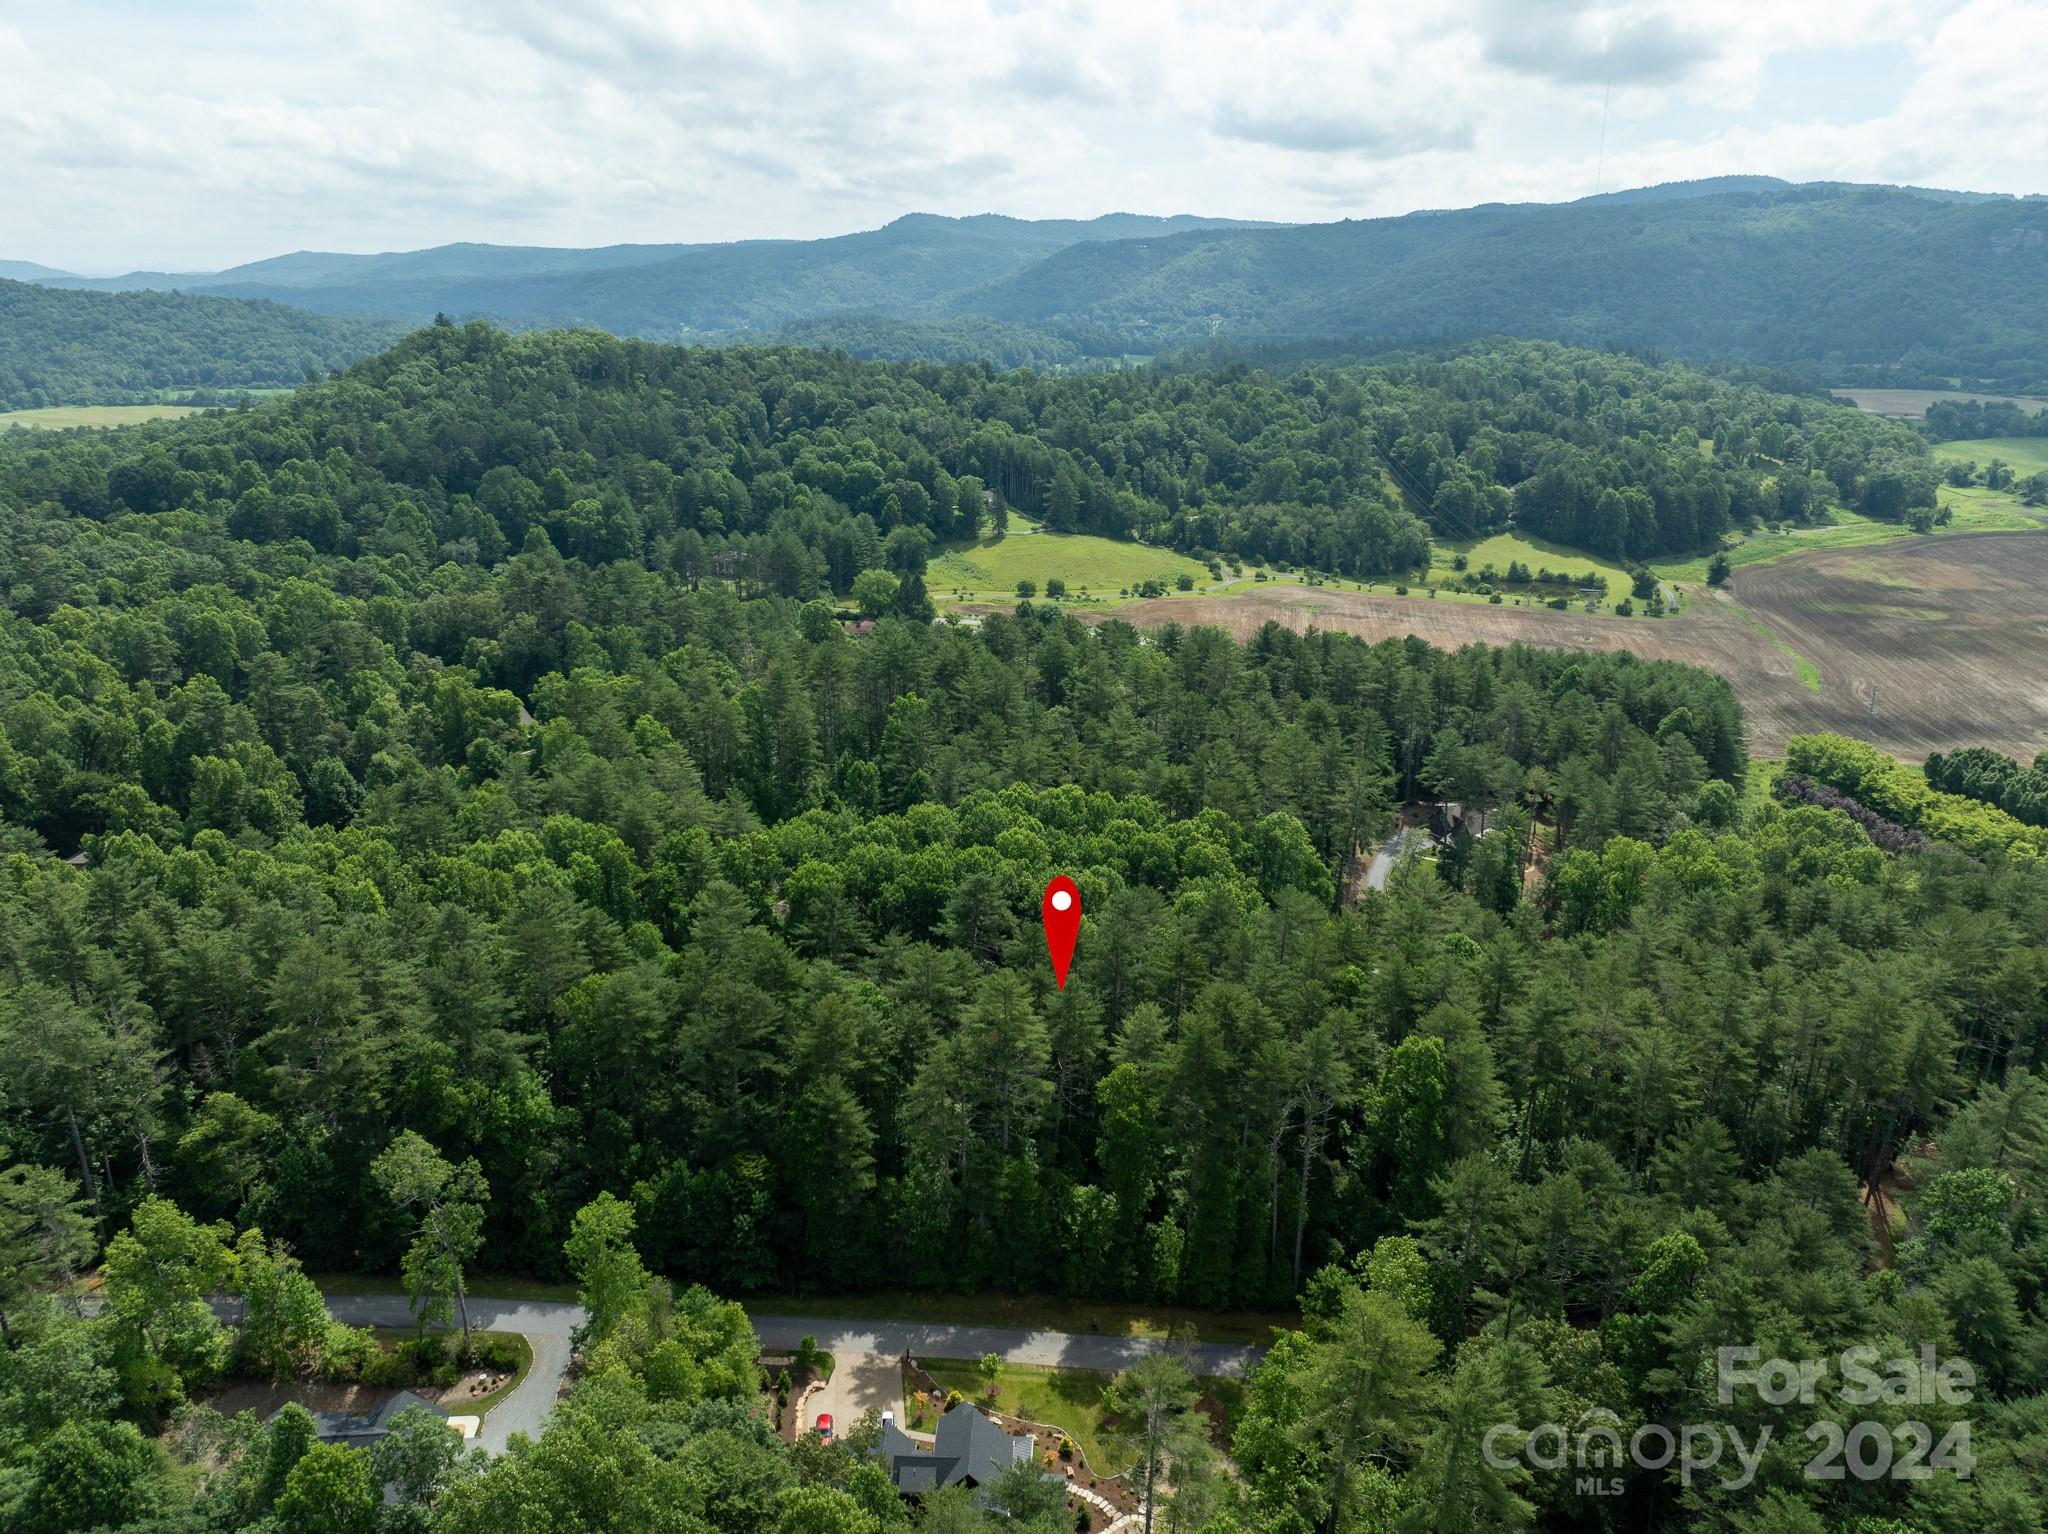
1070 1350
865 1353
1390 853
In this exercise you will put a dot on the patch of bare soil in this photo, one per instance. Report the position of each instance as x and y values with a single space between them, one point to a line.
1952 632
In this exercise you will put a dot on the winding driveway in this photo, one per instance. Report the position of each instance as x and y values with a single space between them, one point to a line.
864 1352
1390 853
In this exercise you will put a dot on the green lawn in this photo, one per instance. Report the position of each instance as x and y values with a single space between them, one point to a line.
1071 1400
1068 1399
55 416
1973 509
991 567
2027 455
471 1406
1501 549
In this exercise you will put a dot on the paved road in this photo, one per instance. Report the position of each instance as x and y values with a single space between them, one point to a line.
1072 1350
545 1325
1390 853
865 1353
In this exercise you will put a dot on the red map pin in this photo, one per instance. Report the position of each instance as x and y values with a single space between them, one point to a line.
1062 925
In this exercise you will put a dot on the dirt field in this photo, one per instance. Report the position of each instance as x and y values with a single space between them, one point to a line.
1911 404
1952 631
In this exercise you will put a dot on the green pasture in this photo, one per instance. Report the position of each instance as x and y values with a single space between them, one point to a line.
56 417
991 567
1502 549
2027 455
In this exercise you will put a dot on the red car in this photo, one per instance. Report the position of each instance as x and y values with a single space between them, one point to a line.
825 1426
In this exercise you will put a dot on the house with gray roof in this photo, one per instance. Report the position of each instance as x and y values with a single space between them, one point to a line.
969 1449
361 1429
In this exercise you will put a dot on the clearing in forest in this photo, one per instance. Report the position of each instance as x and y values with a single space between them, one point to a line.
55 417
1503 549
1949 631
1911 404
2026 455
991 567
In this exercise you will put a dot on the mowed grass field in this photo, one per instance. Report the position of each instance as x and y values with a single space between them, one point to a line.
1100 567
56 417
1502 549
1850 532
2027 455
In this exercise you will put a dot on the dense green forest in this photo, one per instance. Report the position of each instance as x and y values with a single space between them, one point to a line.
1968 420
1942 288
793 471
1995 778
59 348
481 801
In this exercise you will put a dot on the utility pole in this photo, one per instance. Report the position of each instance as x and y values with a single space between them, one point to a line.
1870 714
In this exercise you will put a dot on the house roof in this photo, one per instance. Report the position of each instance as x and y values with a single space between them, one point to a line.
969 1449
360 1428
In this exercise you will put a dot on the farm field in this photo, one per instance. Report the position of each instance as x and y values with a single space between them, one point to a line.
2027 455
991 567
1911 404
56 417
1972 509
1947 629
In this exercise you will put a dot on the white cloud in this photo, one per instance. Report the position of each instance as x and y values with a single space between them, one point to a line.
197 135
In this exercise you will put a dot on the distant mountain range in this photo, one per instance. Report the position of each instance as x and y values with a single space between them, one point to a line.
670 291
1851 282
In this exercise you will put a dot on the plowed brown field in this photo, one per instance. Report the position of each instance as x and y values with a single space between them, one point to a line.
1951 631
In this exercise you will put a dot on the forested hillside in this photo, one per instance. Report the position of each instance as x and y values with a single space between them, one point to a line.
477 789
1832 279
796 470
666 292
60 348
1843 283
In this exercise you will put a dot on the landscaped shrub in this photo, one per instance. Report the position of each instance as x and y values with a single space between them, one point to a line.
1885 835
1903 794
388 1371
498 1353
348 1352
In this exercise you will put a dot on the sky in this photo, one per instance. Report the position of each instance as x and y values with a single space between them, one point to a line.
189 135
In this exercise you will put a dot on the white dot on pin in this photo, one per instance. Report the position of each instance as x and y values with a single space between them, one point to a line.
1061 900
